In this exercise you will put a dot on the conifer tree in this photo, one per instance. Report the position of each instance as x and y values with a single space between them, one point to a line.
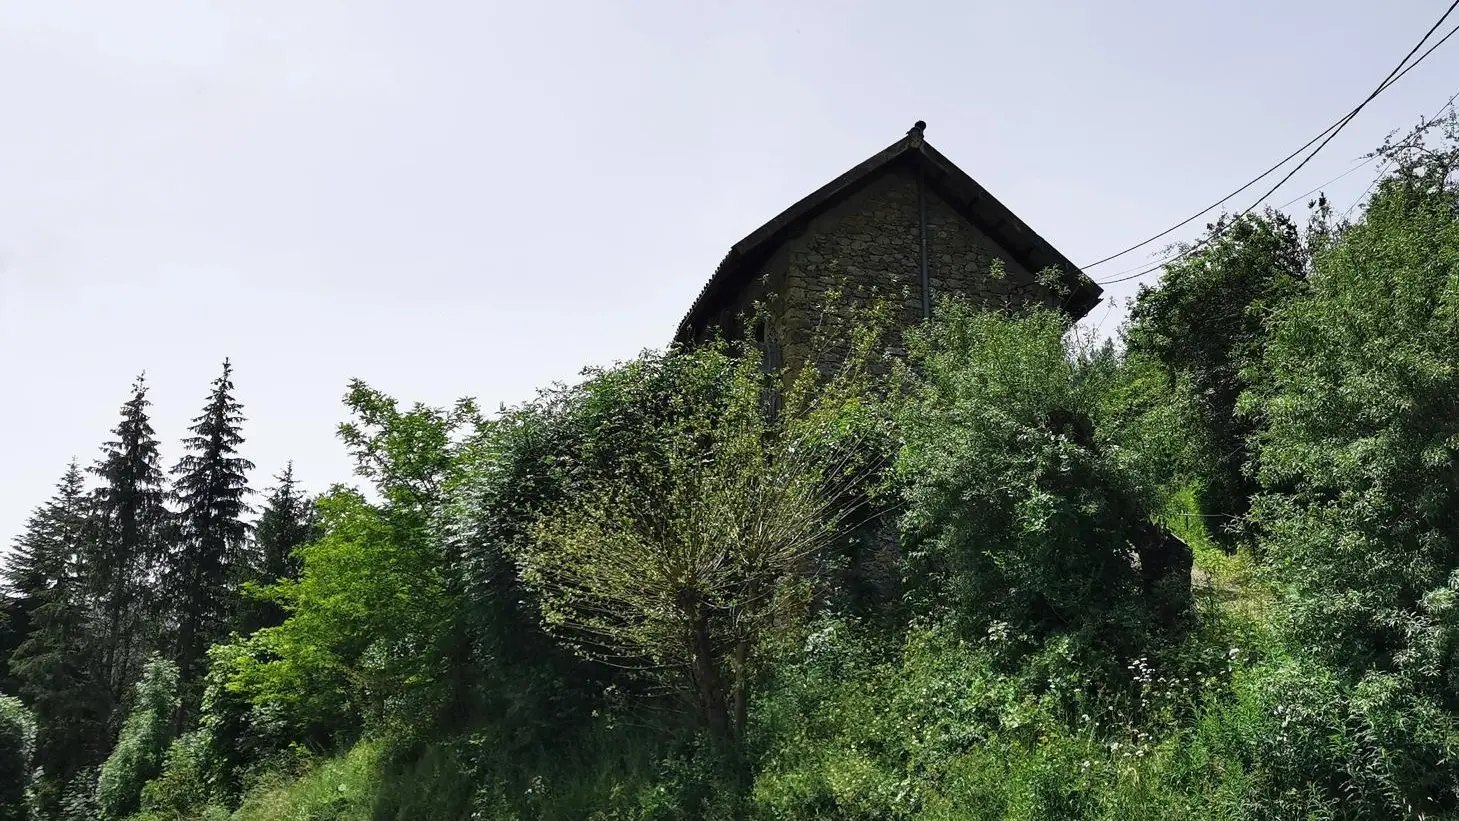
286 522
55 667
210 486
37 558
51 535
131 520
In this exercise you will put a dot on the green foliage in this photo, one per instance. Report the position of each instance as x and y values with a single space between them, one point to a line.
185 788
56 666
78 799
209 559
694 543
1292 741
17 745
133 528
341 789
1206 327
241 730
1025 516
144 739
1362 402
370 615
487 631
939 729
286 523
45 552
363 618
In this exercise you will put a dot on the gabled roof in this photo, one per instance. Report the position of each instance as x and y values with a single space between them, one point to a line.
741 265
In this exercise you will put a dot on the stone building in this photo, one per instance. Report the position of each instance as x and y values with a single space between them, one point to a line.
905 223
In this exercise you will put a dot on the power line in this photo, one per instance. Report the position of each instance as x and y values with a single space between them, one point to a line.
1388 161
1329 132
1301 197
1141 270
1393 76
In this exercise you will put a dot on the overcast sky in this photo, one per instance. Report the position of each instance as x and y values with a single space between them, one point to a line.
451 198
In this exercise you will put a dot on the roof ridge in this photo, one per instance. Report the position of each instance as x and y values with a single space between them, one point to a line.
972 195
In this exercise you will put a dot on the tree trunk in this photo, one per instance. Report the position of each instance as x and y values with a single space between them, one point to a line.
708 680
741 685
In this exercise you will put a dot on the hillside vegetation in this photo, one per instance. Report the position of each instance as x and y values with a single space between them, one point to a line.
1207 570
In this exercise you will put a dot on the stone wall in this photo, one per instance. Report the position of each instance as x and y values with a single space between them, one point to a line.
869 245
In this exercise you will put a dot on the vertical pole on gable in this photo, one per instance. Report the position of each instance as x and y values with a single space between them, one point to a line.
922 232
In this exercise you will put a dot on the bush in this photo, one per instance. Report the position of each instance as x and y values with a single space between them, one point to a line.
245 728
184 790
79 797
1361 513
138 755
1023 514
17 745
939 731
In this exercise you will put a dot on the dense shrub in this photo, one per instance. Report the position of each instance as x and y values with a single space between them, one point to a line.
139 752
1205 327
1361 398
79 800
184 789
1292 742
1023 515
940 730
17 745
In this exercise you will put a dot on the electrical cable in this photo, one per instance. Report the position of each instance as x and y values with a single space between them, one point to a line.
1330 132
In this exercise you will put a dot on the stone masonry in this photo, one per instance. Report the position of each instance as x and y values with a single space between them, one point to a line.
863 234
870 244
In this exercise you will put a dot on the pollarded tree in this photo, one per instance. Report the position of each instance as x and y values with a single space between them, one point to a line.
207 566
131 520
683 554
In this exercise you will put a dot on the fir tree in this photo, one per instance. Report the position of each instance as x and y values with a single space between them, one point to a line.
56 665
131 524
36 561
51 536
286 523
210 563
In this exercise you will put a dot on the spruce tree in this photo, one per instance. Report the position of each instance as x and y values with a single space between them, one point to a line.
51 536
132 523
37 558
286 523
56 666
210 486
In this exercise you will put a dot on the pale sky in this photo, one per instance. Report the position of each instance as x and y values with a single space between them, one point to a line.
449 198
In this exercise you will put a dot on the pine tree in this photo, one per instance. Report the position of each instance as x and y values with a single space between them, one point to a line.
55 666
210 485
131 522
286 523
